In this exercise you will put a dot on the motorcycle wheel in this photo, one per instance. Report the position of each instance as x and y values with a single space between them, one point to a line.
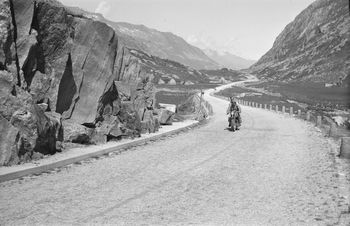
233 125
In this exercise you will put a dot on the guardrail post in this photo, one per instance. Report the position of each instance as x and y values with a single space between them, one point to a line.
291 112
283 109
332 129
299 112
319 120
308 115
345 147
270 107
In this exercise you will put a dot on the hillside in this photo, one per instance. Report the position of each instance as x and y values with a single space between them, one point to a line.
166 71
314 47
229 60
165 45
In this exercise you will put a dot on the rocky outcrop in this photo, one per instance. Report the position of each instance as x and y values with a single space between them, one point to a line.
25 127
65 77
195 107
314 47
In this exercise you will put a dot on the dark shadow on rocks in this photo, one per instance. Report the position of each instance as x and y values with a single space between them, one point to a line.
67 88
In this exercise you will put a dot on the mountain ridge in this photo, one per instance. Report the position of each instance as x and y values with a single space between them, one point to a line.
229 60
315 46
165 45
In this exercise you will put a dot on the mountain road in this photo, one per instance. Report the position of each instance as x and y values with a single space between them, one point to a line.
276 170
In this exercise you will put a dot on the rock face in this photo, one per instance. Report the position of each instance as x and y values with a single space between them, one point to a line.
314 47
65 77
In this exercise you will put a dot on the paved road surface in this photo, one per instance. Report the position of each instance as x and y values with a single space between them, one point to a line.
276 170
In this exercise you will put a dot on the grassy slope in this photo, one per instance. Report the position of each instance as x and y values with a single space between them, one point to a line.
313 94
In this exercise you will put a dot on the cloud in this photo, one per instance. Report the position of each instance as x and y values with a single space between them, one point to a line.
103 8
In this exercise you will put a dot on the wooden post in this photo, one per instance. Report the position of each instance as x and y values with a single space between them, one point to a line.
277 108
260 106
299 113
319 120
308 116
265 106
283 109
345 147
291 112
270 107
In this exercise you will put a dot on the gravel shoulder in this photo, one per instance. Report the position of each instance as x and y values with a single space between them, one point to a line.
276 170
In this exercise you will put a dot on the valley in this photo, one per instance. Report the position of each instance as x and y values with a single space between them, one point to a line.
110 122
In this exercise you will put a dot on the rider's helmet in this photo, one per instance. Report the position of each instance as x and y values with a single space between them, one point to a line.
233 100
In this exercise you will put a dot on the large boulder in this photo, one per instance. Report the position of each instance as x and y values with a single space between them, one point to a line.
165 117
8 143
76 133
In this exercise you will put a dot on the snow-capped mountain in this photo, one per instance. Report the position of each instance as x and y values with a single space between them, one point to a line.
226 59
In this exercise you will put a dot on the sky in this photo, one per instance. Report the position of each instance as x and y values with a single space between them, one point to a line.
246 28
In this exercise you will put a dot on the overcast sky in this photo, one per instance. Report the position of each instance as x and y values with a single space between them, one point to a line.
243 27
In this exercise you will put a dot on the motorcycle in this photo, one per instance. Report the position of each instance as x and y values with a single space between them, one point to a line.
234 121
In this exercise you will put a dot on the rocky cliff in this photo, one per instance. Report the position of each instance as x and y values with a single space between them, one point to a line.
65 77
314 47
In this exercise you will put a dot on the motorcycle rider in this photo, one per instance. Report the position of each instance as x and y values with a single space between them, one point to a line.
232 107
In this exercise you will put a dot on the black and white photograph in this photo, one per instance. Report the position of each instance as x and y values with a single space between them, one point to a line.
175 112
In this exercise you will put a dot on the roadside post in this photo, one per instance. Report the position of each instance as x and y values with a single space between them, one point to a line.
308 116
276 108
270 107
283 109
291 112
319 120
265 106
299 112
345 148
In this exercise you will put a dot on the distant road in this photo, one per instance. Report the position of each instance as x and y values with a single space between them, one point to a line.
276 170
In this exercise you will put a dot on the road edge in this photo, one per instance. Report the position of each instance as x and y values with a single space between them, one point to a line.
118 148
